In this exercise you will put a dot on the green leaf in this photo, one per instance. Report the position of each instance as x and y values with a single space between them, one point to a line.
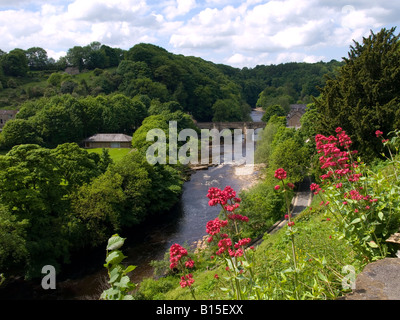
114 275
115 242
129 269
124 283
114 257
322 277
380 215
357 220
372 244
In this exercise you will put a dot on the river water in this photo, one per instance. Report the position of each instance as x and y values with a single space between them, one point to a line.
85 278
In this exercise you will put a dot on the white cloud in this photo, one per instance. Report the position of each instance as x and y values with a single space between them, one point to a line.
103 10
234 32
179 8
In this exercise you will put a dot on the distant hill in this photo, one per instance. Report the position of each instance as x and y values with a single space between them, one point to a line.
206 90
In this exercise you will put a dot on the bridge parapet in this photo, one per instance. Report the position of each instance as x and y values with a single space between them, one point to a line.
231 125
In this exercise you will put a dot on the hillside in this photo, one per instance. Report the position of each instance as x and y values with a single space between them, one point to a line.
150 70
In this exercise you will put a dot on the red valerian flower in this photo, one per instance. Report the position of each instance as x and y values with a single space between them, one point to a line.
242 242
315 187
277 187
224 245
378 133
176 252
186 281
238 217
280 174
189 264
213 227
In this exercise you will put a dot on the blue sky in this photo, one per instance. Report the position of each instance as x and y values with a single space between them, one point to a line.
237 33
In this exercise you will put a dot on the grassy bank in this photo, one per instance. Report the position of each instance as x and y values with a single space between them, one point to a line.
320 254
116 154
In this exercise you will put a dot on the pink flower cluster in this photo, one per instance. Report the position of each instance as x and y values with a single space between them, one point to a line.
280 174
218 196
214 227
186 281
379 134
334 159
242 242
239 217
176 253
315 187
229 202
225 245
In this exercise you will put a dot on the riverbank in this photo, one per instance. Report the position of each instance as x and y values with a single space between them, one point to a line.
85 277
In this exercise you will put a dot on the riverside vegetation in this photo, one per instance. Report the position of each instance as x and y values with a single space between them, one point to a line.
312 257
318 254
57 198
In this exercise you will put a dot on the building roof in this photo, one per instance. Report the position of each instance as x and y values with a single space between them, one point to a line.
296 109
8 112
109 137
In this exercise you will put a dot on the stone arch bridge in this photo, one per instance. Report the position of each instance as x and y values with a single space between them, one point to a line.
244 126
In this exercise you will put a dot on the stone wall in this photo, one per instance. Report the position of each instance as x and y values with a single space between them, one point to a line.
379 280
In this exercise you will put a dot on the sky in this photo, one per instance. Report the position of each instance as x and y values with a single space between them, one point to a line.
236 33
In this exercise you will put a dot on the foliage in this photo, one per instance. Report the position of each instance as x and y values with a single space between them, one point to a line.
273 110
97 208
120 282
364 96
364 204
57 201
263 206
61 119
15 63
279 146
13 252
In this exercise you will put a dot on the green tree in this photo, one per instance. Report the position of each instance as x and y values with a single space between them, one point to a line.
37 58
59 124
96 209
15 63
31 188
226 110
273 110
291 154
19 131
364 96
264 145
13 251
76 165
136 185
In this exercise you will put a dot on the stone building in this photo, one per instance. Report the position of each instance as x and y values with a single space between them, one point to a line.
295 114
6 115
108 140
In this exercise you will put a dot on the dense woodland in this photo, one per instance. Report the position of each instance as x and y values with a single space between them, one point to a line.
57 198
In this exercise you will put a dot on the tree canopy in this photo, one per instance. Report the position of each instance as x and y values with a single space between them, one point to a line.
364 97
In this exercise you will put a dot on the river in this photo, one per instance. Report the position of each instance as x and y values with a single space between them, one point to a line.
85 278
